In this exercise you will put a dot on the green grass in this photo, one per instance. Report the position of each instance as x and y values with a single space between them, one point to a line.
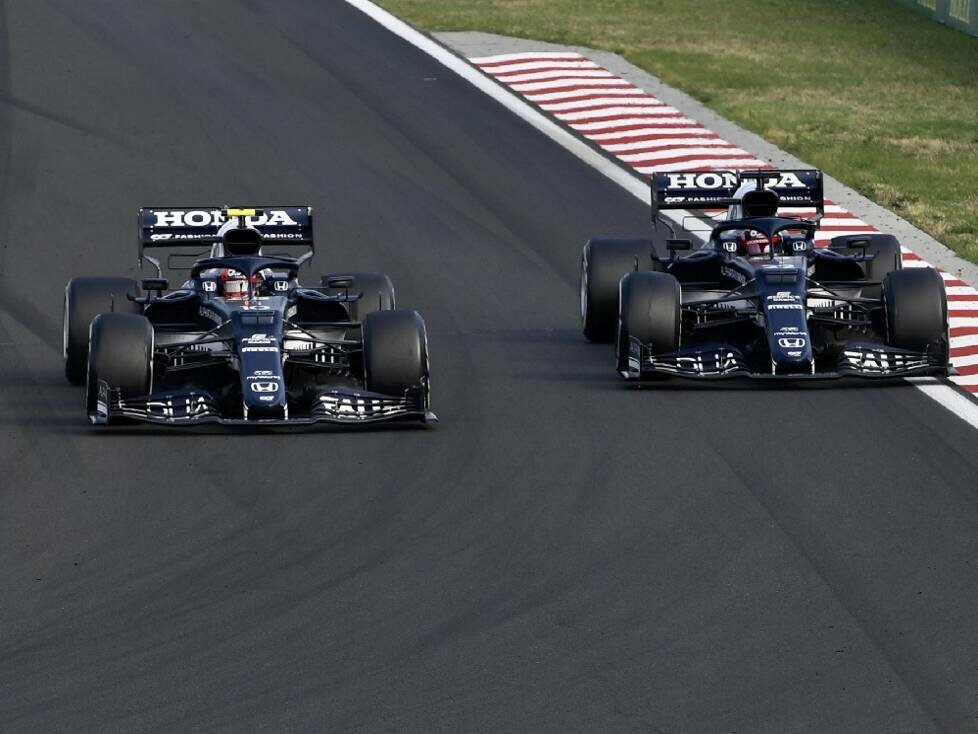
877 96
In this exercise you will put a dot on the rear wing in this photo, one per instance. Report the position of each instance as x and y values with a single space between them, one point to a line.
716 189
192 226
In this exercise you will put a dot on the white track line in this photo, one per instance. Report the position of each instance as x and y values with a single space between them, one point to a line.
956 402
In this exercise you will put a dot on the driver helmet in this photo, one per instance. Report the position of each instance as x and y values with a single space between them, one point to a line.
237 240
233 283
754 243
751 242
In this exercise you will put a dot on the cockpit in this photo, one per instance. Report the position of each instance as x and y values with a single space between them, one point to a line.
752 203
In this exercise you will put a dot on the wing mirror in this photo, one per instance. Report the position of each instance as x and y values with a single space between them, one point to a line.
344 282
678 245
860 246
156 284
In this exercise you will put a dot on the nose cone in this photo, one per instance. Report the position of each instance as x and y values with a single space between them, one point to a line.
787 331
791 349
262 382
259 339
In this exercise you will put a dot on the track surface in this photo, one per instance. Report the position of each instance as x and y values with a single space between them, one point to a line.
560 554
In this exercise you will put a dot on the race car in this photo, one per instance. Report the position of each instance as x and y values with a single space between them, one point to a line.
241 341
759 299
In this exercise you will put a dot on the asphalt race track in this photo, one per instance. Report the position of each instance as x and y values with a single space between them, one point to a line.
561 553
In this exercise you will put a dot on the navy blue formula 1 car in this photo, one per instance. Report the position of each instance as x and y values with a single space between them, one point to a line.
758 299
241 341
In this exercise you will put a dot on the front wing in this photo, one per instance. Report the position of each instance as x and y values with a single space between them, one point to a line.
725 361
342 405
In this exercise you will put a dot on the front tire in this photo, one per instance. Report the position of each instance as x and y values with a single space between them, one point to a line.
84 299
651 312
395 351
915 306
603 263
121 354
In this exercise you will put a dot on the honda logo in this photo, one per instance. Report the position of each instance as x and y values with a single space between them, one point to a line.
264 386
795 342
212 217
730 180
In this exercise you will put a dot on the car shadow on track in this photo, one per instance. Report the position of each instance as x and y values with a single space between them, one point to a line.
765 385
141 430
568 358
609 382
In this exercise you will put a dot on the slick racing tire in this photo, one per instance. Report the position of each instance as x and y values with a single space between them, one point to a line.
377 289
603 263
886 250
121 354
650 311
915 306
395 351
85 298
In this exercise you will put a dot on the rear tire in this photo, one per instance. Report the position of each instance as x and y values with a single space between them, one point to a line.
121 354
651 312
395 351
377 289
84 299
603 263
915 306
888 257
